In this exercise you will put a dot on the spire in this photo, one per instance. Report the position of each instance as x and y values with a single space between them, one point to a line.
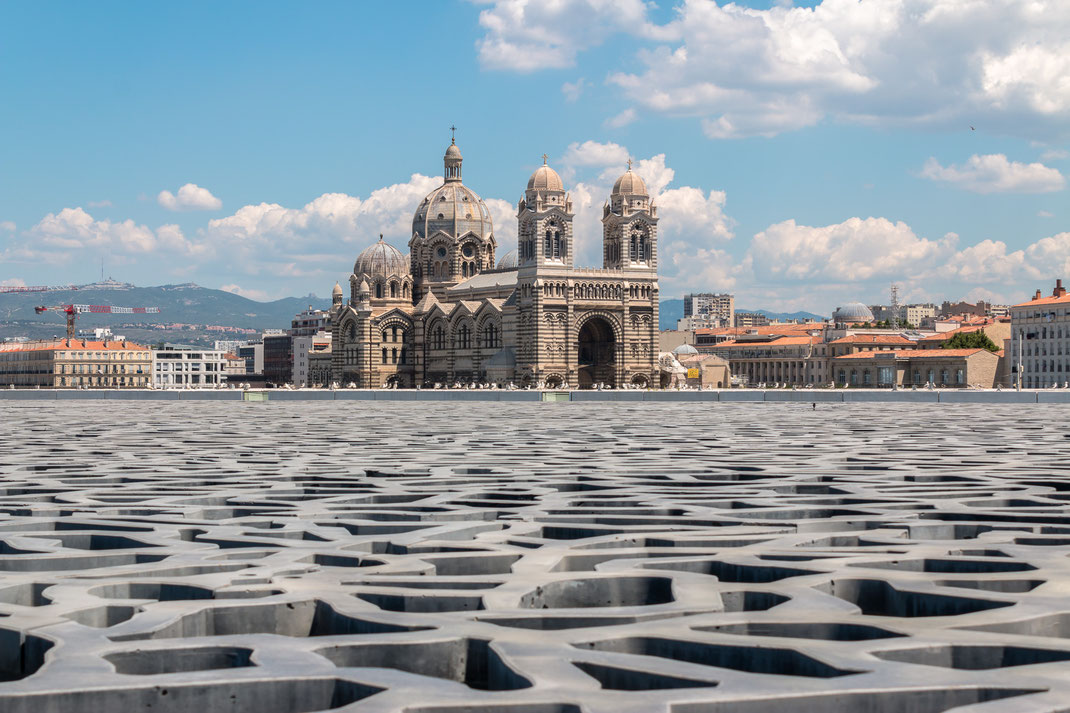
452 159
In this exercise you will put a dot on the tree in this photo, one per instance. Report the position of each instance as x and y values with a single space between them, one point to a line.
971 340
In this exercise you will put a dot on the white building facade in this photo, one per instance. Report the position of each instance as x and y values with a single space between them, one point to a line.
303 347
188 368
1040 340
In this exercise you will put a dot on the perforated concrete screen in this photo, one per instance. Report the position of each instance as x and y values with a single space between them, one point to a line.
534 557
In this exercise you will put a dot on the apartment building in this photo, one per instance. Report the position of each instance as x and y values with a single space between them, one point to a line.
180 367
1040 339
75 363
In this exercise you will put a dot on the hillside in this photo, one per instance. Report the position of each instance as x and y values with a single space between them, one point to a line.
673 310
186 304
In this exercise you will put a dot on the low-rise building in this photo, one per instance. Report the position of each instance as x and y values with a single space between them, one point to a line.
181 367
75 363
233 367
750 319
998 330
253 355
942 368
319 368
773 359
868 342
1040 339
303 348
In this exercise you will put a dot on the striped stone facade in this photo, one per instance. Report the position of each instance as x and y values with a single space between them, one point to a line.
449 313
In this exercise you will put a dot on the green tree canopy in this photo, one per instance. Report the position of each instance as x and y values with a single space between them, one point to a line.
971 340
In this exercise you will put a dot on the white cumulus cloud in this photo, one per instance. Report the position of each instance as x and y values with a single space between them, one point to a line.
741 71
189 197
994 173
855 250
7 225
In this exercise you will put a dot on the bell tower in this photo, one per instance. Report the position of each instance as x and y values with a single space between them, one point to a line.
630 226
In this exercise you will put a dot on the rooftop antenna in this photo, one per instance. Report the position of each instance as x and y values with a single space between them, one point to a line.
895 305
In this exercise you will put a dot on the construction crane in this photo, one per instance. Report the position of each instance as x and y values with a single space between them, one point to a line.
73 310
5 289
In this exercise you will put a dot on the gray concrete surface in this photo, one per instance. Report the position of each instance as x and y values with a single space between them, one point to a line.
517 558
953 396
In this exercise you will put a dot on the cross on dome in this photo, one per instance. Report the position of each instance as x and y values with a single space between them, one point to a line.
544 157
453 134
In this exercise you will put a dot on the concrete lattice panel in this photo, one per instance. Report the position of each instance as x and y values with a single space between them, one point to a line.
534 558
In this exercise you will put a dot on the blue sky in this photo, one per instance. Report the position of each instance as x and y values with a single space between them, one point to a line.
802 156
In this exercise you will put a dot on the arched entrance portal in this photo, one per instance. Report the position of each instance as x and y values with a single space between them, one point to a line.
597 351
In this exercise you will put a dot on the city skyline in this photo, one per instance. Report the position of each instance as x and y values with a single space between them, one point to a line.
801 157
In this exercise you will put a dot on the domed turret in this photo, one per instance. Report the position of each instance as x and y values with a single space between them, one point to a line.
545 179
381 260
336 294
853 312
508 261
630 184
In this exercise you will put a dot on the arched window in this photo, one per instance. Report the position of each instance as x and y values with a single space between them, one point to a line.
943 376
547 247
384 355
394 356
403 358
394 290
352 332
379 290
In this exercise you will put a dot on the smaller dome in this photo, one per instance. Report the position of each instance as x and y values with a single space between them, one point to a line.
508 261
381 260
453 152
337 291
545 179
852 312
364 288
685 350
630 184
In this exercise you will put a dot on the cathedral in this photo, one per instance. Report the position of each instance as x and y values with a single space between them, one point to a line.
449 313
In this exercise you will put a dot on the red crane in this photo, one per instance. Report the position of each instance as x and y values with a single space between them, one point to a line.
72 310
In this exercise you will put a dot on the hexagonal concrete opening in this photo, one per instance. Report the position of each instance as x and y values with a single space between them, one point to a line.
817 630
628 679
974 658
879 598
600 592
147 662
752 659
472 662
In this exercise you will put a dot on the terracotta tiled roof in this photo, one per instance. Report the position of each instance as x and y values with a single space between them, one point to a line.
872 339
1065 299
914 354
778 342
75 344
763 330
944 336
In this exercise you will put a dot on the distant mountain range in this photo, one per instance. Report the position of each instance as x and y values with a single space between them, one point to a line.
673 310
192 304
179 304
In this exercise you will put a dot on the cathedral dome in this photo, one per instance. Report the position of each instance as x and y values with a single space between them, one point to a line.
508 261
545 179
853 312
630 184
381 260
453 152
453 208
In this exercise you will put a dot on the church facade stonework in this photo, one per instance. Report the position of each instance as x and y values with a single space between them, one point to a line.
449 312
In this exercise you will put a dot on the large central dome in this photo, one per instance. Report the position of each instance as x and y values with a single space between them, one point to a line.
453 207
